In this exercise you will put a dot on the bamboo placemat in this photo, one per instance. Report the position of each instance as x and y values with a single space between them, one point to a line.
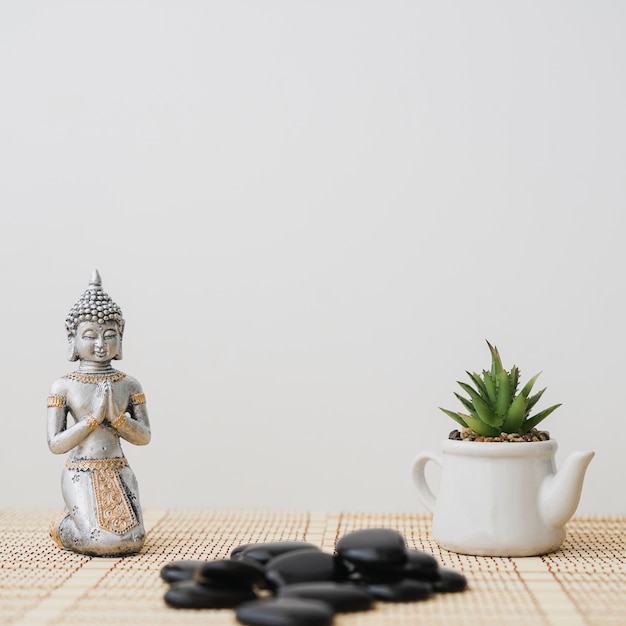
583 584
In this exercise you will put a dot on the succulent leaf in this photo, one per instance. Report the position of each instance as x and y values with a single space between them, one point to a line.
456 417
480 385
514 379
479 427
484 410
515 415
529 385
533 400
486 413
467 404
496 362
533 421
503 396
490 385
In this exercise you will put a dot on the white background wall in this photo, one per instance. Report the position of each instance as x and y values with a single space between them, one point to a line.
313 214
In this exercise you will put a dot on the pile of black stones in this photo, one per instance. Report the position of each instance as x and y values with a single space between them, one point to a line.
295 583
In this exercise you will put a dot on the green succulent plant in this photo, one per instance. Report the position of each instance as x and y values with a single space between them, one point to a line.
494 405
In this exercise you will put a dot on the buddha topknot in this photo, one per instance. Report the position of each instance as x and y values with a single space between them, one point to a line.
94 305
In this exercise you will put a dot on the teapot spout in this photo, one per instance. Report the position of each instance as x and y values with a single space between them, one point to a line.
560 493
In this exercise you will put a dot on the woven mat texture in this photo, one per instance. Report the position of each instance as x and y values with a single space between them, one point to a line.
583 584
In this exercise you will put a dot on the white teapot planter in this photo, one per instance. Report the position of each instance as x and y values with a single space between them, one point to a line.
501 498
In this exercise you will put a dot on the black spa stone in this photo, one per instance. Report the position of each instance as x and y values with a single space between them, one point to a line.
373 547
342 597
401 591
302 566
264 552
419 565
229 573
285 612
177 571
189 594
449 581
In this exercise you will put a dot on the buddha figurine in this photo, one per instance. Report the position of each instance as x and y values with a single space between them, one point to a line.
89 411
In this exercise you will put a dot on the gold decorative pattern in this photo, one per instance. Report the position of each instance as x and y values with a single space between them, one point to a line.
91 422
56 402
115 514
92 465
119 421
96 378
138 398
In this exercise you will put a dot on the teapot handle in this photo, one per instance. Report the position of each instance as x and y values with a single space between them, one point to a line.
428 498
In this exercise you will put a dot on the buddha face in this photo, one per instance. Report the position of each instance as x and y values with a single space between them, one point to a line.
99 343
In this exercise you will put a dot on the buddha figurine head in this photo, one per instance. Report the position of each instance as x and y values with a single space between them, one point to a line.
95 325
